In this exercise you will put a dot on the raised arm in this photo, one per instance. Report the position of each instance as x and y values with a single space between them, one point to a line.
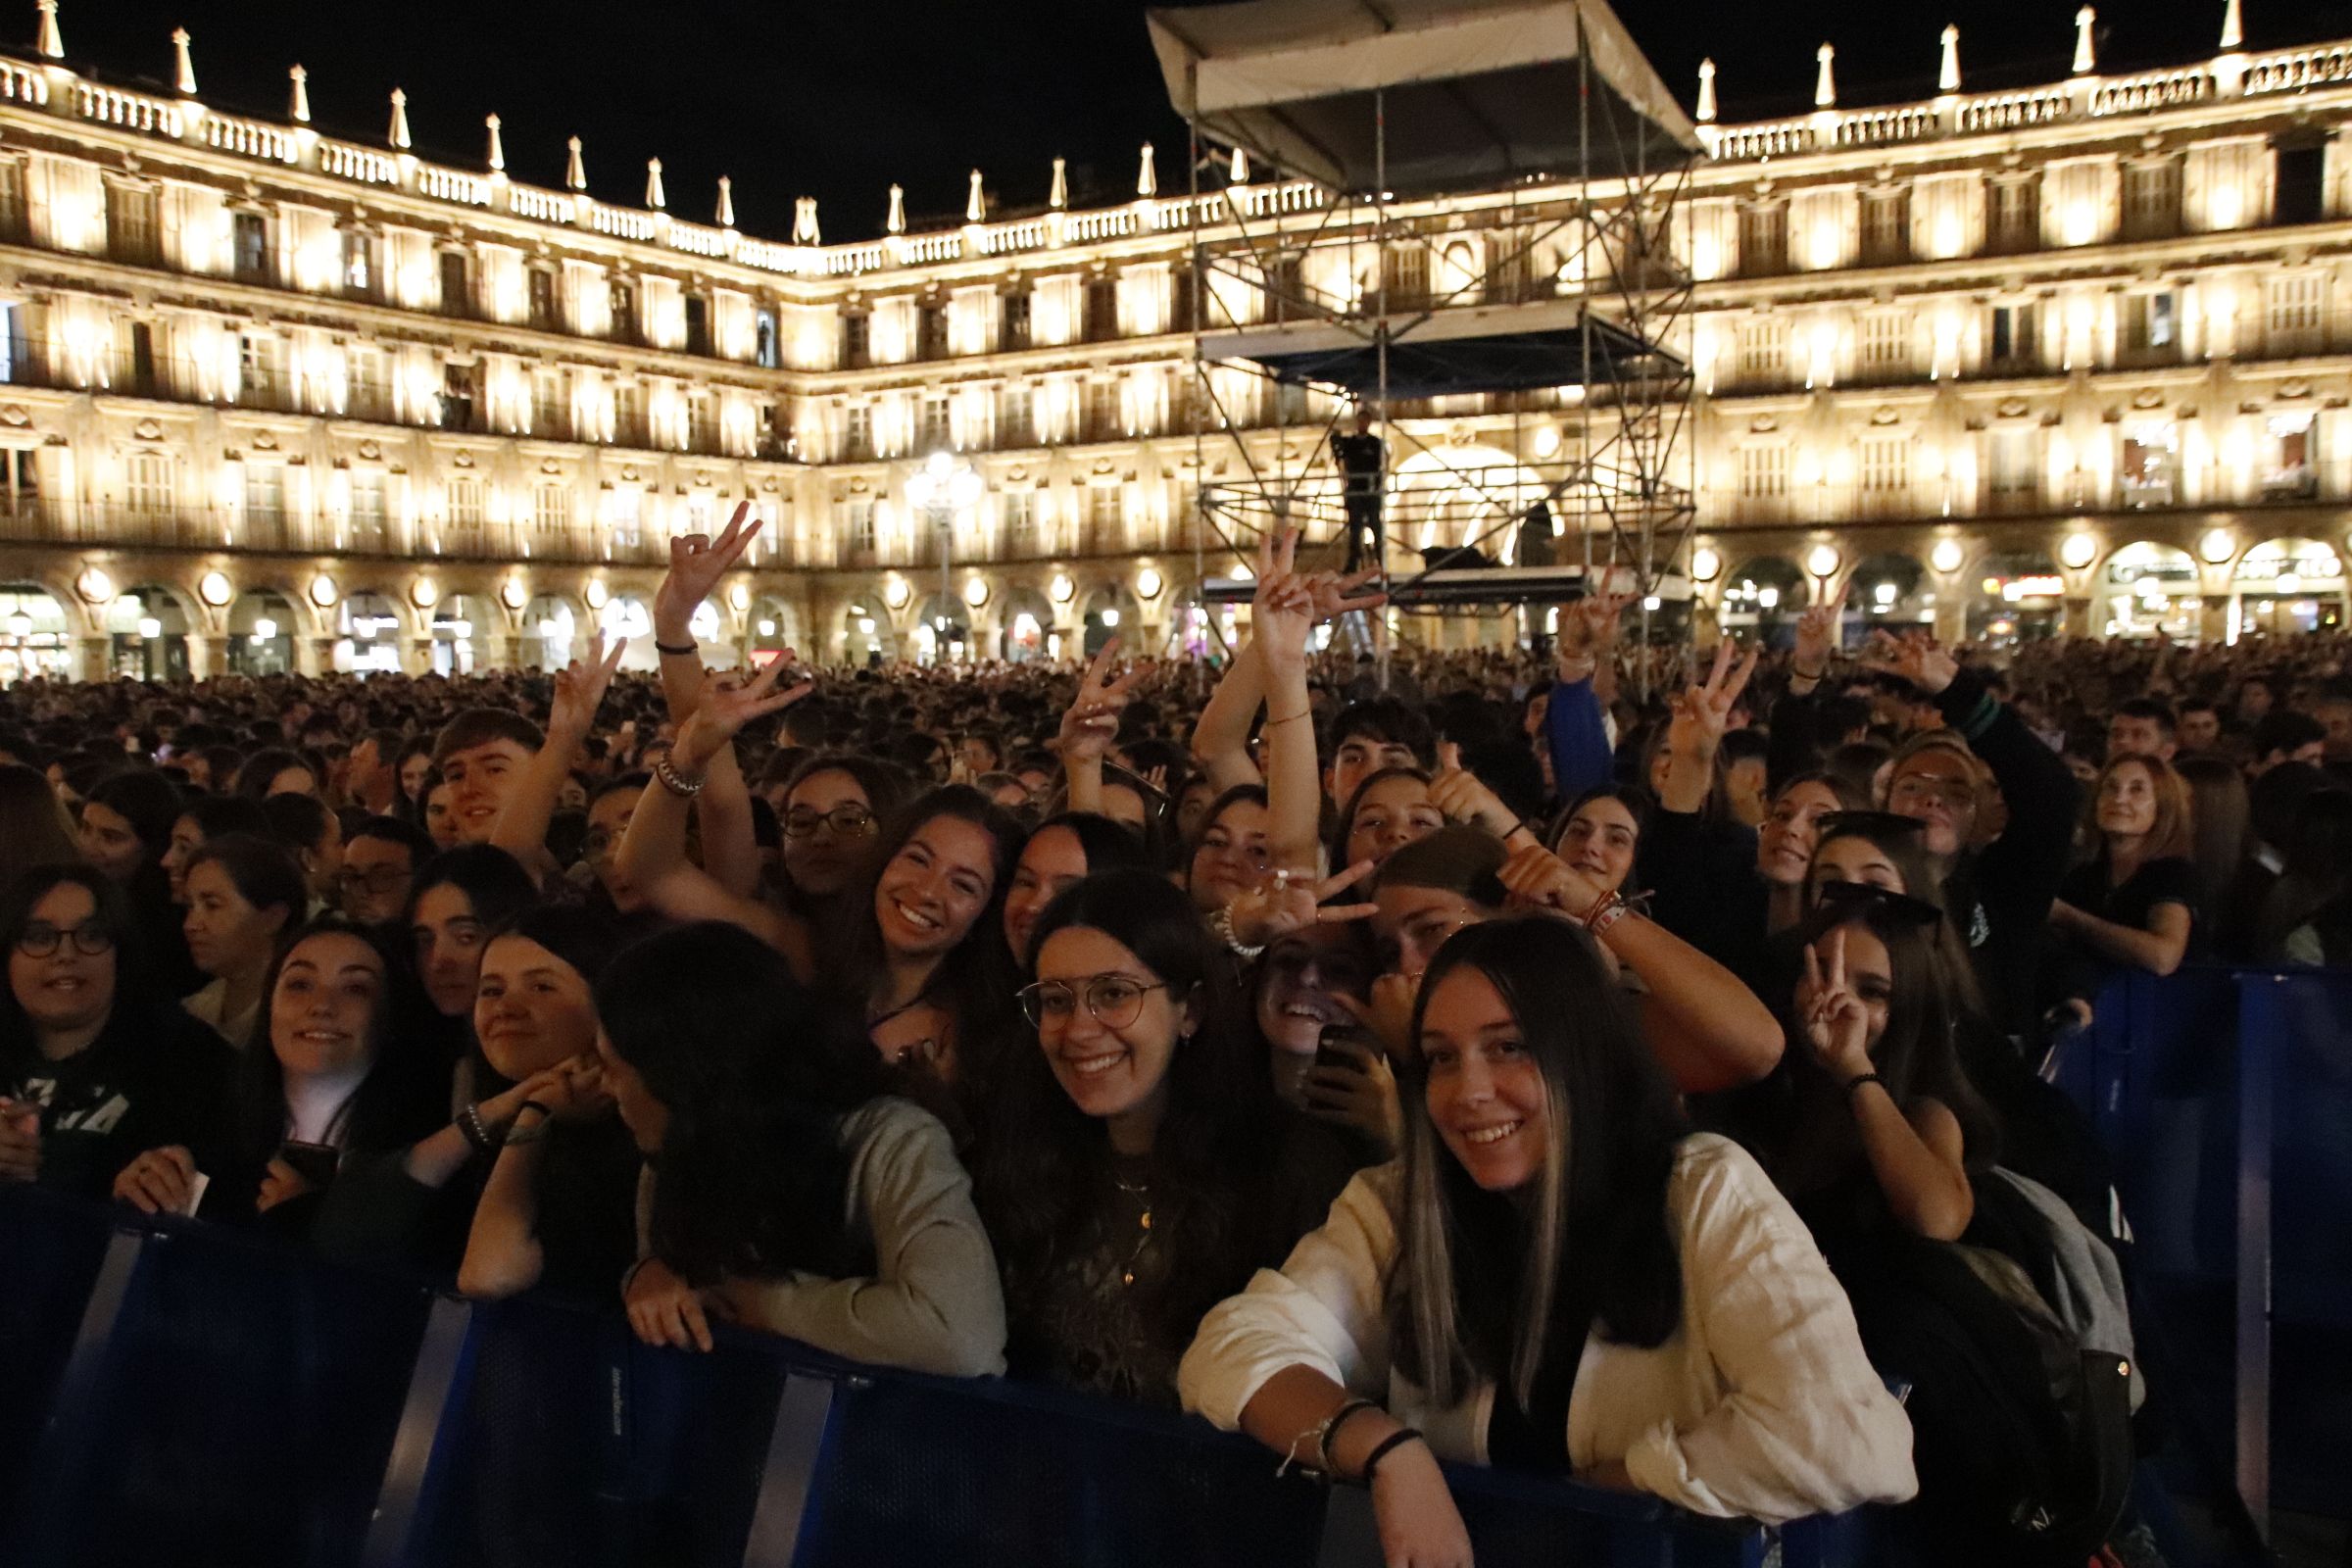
521 828
723 809
1282 614
1221 735
1695 733
652 853
1704 1024
1089 725
1572 729
1916 1156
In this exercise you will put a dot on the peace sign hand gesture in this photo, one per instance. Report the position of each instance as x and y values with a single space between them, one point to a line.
695 563
1092 719
1836 1023
1336 595
1282 608
1816 636
580 690
1288 901
729 702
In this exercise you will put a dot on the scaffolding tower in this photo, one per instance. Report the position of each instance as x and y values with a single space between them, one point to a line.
1542 122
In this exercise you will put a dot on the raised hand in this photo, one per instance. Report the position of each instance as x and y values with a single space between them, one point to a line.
1282 608
1463 798
580 689
1535 878
1836 1023
695 563
1336 595
1701 712
1917 659
1288 901
1091 721
729 702
1817 636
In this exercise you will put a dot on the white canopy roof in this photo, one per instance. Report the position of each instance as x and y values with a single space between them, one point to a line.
1477 92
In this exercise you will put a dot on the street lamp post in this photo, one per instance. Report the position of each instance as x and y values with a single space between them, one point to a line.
943 486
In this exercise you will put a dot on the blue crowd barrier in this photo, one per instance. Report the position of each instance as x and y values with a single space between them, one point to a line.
186 1395
2224 1098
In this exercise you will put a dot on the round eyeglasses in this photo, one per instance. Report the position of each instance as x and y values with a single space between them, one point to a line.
1115 1000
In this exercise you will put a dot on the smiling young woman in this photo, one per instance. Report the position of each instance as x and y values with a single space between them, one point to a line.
1559 1277
95 1064
1138 1165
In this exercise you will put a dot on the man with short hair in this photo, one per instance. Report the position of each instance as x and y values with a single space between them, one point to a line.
2198 727
380 868
981 751
481 755
369 780
1378 733
2141 726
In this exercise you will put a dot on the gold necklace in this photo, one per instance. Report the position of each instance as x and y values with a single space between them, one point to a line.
1142 1194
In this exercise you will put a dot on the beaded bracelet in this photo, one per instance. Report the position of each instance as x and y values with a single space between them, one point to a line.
677 783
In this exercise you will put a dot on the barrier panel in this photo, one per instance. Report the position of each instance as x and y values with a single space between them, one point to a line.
2225 1097
188 1395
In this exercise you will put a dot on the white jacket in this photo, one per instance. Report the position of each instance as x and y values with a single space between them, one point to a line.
1761 1406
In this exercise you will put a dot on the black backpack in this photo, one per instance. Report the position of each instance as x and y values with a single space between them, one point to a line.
2022 1437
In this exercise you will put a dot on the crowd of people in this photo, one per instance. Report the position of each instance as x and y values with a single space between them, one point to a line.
1593 1060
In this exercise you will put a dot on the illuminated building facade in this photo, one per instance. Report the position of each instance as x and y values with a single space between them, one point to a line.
2074 358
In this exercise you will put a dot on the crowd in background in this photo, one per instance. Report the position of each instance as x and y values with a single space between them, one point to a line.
1589 1059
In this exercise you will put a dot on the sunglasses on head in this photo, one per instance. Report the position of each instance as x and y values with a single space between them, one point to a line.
1843 901
1867 826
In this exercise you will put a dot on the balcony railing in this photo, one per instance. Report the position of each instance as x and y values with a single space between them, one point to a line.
164 525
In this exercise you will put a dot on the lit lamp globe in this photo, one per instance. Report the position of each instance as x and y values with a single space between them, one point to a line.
1823 561
1947 556
975 591
323 591
1147 582
1706 564
2077 551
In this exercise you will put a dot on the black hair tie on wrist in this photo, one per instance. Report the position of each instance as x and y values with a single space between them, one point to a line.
1394 1441
1861 1078
682 650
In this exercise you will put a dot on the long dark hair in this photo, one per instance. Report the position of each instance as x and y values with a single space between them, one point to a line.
405 1093
755 1071
977 972
1918 1054
1342 827
148 802
1481 1279
1044 1161
582 934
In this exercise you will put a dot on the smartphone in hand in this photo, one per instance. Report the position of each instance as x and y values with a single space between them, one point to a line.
314 1163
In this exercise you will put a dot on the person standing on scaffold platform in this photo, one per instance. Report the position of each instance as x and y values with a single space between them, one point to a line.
1360 459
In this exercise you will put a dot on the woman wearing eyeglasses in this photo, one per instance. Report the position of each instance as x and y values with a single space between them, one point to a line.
94 1065
1138 1165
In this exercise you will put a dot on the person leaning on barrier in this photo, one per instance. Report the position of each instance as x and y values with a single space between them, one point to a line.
1558 1276
784 1188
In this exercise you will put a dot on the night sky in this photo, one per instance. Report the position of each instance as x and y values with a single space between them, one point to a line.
838 99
